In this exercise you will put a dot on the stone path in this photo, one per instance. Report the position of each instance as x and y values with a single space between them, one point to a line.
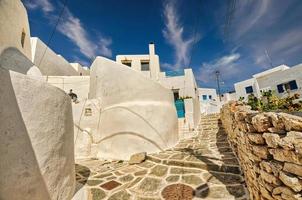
201 167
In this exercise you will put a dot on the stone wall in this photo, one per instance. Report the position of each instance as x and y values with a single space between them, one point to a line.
269 148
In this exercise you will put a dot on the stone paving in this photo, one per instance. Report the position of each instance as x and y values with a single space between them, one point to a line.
201 167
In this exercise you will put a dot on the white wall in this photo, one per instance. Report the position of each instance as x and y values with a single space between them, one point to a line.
78 84
209 106
228 97
52 64
269 79
37 152
13 20
240 88
136 62
192 112
132 108
80 69
279 77
208 92
14 56
186 84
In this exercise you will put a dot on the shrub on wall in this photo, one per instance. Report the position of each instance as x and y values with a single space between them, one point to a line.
269 101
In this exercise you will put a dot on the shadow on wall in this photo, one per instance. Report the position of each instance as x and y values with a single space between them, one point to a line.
227 173
12 59
19 170
107 140
140 117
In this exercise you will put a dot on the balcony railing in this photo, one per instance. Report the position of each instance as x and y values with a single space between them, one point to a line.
175 73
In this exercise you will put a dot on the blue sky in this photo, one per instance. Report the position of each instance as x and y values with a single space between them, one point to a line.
185 32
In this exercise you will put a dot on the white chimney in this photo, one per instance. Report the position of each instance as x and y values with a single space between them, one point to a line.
151 48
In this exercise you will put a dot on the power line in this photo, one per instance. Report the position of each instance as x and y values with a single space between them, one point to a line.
53 31
195 35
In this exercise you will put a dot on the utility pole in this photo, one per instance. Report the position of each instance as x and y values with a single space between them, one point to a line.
217 73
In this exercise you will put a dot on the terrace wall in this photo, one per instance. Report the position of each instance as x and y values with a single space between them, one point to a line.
269 148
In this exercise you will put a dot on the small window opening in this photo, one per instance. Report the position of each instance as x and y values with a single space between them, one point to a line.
249 90
23 38
127 62
145 65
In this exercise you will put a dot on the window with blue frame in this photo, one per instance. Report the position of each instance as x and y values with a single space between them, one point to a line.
291 85
249 90
204 97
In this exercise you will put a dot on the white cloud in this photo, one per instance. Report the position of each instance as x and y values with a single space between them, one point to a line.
268 25
167 66
227 66
72 27
253 11
45 5
173 33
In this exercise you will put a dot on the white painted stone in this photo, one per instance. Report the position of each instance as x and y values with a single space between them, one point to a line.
37 152
132 111
14 21
51 64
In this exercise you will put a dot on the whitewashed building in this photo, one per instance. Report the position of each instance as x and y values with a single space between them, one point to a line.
209 101
282 80
181 82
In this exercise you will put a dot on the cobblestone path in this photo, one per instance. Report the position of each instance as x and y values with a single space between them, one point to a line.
201 167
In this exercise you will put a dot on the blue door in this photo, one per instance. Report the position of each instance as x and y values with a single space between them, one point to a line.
180 108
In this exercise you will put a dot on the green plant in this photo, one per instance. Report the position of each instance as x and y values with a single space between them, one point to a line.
269 101
241 98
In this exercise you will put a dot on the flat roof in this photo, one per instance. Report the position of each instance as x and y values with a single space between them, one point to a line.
267 72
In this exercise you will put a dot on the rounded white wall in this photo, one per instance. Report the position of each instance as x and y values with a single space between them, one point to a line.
49 63
127 113
14 21
36 131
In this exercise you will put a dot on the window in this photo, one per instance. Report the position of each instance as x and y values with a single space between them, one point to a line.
204 97
210 96
127 62
280 88
249 90
292 85
23 38
145 65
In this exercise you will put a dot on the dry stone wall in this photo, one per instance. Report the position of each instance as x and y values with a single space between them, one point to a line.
269 148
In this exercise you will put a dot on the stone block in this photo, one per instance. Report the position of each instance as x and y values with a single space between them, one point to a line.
272 140
293 168
276 120
291 181
286 155
291 122
260 151
137 158
261 122
271 167
270 178
256 138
